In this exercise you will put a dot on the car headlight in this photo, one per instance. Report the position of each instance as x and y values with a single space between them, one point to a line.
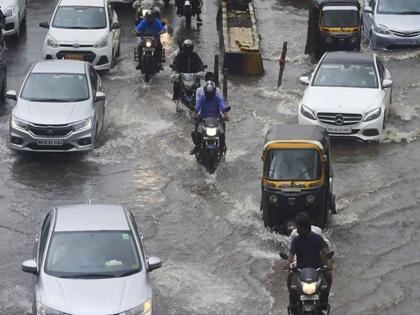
41 309
19 123
51 42
10 11
83 124
309 288
211 132
103 42
373 114
381 29
307 112
145 309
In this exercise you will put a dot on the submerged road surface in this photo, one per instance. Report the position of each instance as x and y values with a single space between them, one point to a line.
218 258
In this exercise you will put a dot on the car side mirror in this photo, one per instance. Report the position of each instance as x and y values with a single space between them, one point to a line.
30 266
387 84
284 256
368 10
205 67
304 80
11 95
100 96
115 25
153 263
44 24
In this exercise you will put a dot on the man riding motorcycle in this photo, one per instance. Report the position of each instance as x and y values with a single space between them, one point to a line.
153 27
209 105
209 76
310 250
196 8
186 61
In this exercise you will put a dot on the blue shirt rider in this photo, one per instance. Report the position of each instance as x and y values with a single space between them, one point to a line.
210 108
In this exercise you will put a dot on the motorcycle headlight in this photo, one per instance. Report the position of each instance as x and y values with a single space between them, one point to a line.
51 42
149 44
381 29
145 309
373 114
211 132
103 42
83 124
309 288
41 309
189 84
19 123
307 112
10 11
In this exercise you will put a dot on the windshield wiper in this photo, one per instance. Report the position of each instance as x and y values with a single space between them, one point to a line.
87 275
306 171
409 12
126 273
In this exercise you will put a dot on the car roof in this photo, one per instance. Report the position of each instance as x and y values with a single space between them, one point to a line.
59 66
322 3
87 3
348 57
91 218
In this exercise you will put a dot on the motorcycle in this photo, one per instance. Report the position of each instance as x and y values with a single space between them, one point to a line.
310 286
209 154
186 8
149 58
189 83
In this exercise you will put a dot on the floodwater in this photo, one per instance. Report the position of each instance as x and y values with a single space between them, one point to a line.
218 258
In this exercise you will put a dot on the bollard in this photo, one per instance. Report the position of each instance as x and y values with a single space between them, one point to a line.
225 75
216 70
282 63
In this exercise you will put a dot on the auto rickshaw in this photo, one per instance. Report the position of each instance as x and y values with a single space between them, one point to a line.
333 25
297 176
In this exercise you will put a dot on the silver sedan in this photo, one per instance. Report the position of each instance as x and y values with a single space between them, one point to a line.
60 107
90 260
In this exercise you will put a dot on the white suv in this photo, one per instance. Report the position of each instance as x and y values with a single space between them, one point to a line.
85 30
15 12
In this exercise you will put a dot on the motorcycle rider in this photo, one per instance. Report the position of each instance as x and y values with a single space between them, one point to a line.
186 61
310 250
195 5
150 26
209 105
209 76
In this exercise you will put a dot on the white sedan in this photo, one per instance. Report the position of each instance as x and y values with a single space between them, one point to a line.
349 94
15 12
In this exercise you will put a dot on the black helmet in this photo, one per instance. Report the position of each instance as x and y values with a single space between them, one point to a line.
188 46
209 76
149 16
210 90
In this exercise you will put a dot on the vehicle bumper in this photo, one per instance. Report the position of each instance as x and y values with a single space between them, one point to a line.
11 26
100 58
364 131
23 140
333 42
383 42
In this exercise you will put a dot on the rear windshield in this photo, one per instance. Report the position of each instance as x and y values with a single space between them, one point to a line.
81 17
340 18
293 164
55 87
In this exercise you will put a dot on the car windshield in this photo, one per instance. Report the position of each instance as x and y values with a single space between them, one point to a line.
82 17
92 254
293 164
346 75
399 7
340 18
55 87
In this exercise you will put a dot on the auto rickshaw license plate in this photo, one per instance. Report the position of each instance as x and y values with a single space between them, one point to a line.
50 142
339 129
74 57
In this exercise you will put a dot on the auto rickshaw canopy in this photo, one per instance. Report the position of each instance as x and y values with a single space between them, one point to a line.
298 134
319 4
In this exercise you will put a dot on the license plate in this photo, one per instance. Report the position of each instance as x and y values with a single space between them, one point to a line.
74 57
309 298
339 129
406 42
50 142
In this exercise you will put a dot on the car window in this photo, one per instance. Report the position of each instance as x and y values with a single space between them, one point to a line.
399 7
346 75
55 87
80 17
381 69
44 236
93 254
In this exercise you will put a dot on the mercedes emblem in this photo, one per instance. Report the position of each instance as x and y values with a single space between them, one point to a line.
339 119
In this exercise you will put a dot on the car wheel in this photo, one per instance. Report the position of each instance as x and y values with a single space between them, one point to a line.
118 50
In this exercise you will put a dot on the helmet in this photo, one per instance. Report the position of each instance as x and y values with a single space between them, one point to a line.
209 76
148 15
188 46
210 90
156 12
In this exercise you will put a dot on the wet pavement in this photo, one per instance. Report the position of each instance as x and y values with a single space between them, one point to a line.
218 258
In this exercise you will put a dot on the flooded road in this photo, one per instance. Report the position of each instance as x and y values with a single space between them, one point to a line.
218 258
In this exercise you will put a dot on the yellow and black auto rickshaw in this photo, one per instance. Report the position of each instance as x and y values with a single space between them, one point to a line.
333 25
297 176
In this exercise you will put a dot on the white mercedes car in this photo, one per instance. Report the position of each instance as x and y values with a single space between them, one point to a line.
15 12
349 94
83 30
